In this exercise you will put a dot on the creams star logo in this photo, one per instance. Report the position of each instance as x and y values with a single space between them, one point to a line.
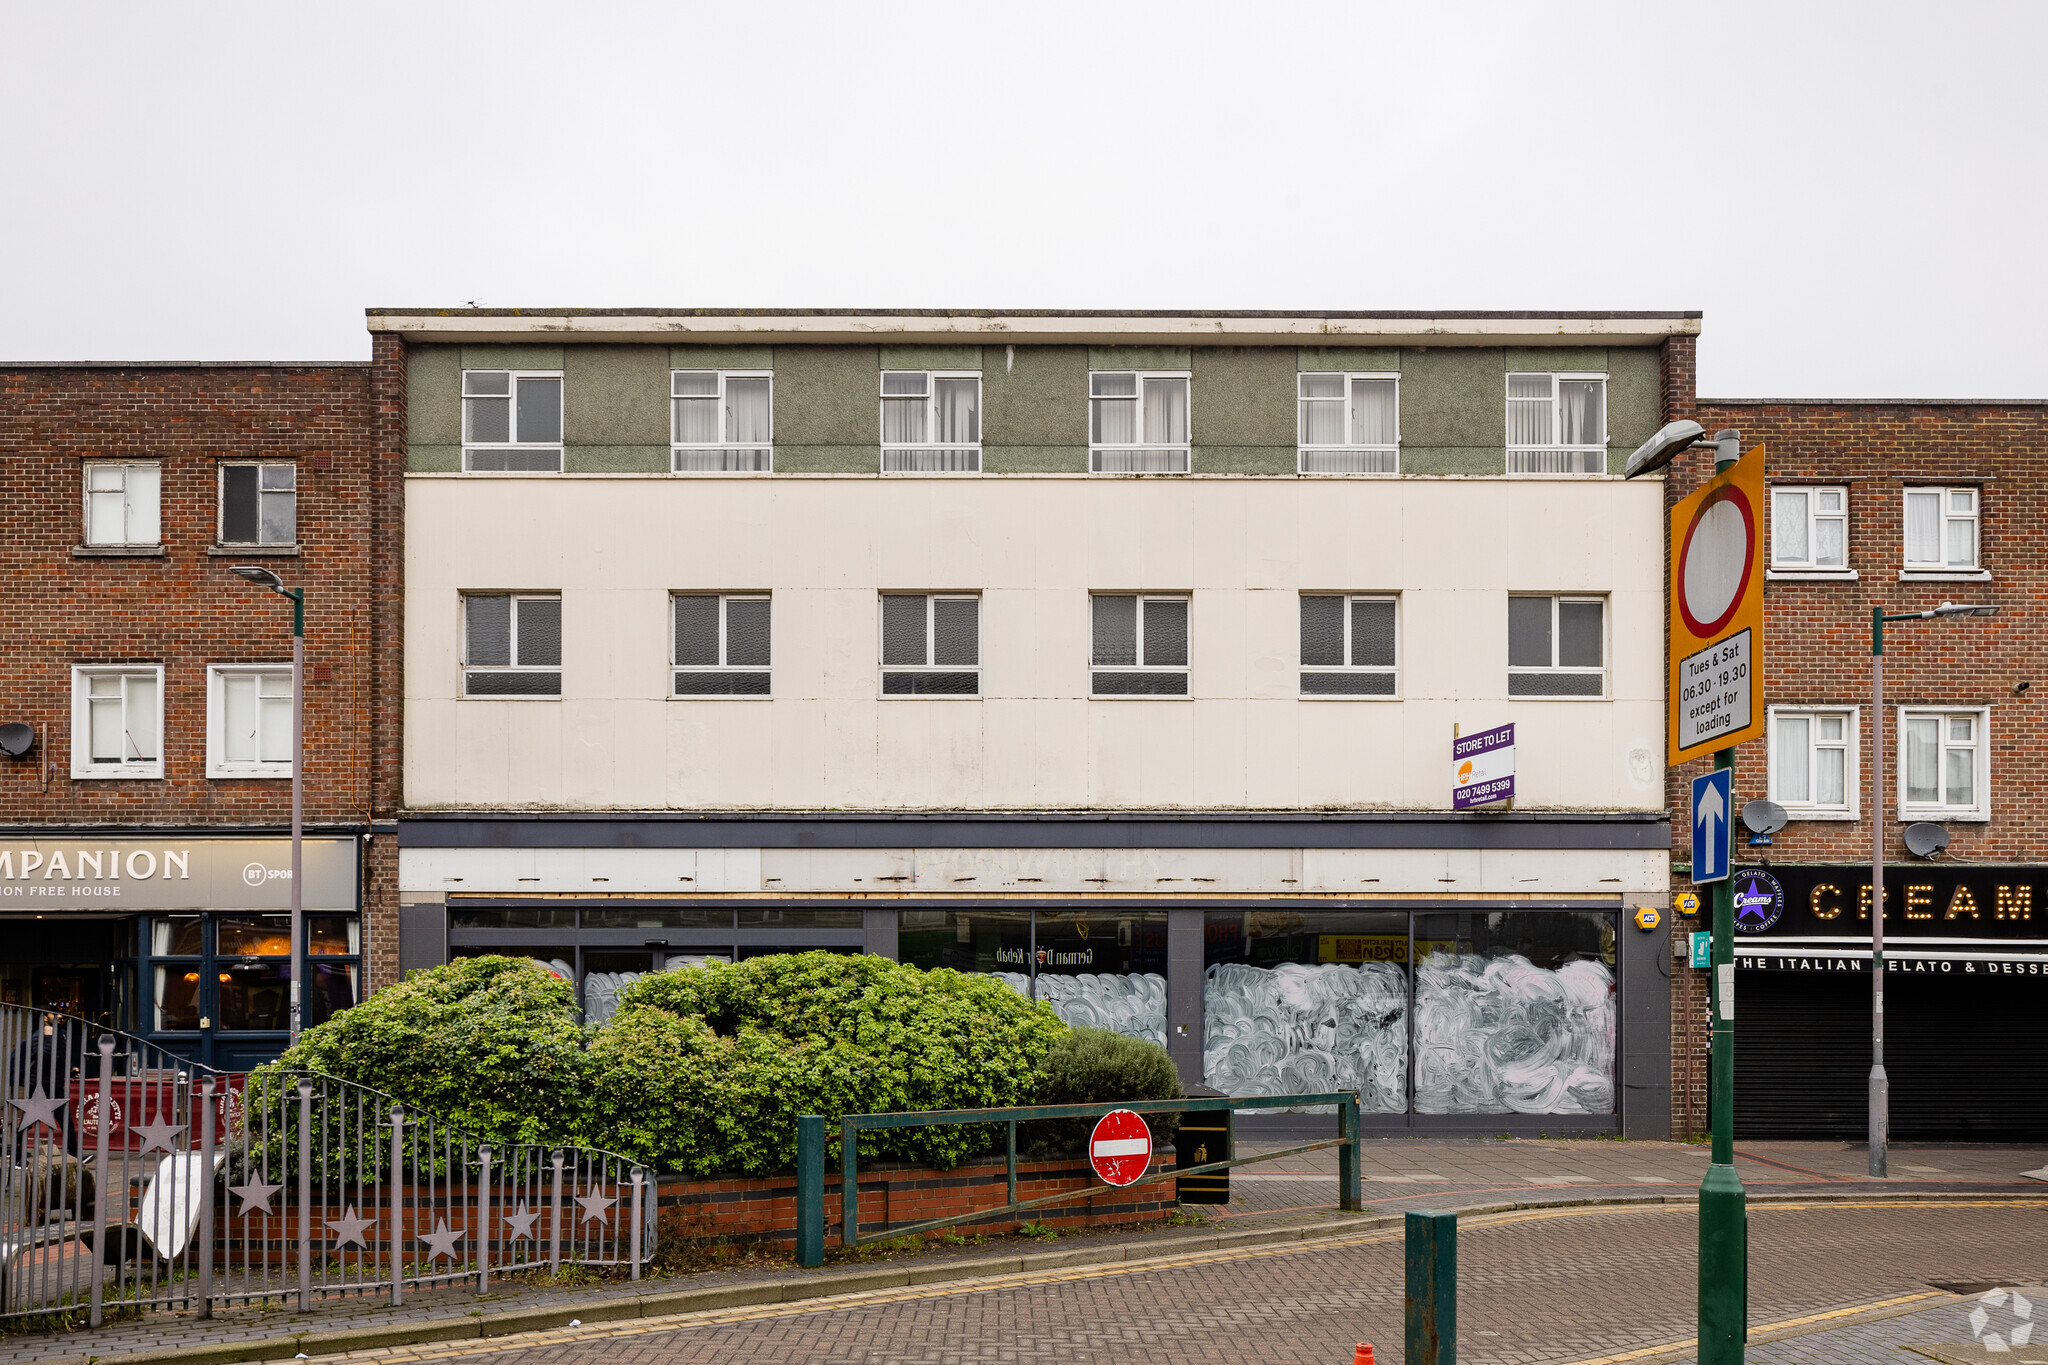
1991 1332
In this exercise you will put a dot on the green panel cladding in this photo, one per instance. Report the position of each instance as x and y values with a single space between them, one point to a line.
1035 396
616 459
721 358
1244 459
615 396
930 358
1034 459
828 459
1454 396
436 459
1556 358
1138 358
433 388
1374 359
1454 459
828 396
1635 398
521 357
1242 396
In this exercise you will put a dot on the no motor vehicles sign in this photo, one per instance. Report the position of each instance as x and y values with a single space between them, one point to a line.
1716 653
1120 1148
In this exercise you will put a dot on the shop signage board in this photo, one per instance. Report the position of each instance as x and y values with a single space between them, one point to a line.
1968 920
124 875
1483 767
1716 596
1120 1148
1710 812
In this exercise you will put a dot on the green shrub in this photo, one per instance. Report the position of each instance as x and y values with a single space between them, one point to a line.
1092 1065
706 1070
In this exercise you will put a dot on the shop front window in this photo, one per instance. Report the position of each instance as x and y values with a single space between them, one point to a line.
1097 968
233 972
177 983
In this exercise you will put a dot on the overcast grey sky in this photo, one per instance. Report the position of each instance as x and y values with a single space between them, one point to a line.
1854 193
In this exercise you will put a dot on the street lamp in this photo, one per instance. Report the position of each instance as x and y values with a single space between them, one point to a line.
1880 1084
264 578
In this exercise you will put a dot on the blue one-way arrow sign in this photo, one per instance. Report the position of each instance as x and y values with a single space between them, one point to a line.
1710 811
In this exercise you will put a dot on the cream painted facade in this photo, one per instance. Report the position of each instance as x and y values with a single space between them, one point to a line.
825 547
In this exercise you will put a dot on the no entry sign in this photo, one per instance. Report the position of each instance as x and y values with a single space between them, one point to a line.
1120 1148
1716 588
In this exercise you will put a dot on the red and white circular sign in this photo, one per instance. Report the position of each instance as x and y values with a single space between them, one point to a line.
1120 1148
1715 561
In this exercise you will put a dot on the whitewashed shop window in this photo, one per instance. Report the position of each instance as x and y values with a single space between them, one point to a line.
722 421
1813 772
511 645
512 421
1810 529
1941 529
122 504
1138 422
117 715
259 504
1944 764
1138 645
1557 646
1349 424
931 422
1348 646
931 644
1557 423
720 644
249 720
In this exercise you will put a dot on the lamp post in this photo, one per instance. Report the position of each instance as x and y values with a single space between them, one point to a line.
1880 1084
264 578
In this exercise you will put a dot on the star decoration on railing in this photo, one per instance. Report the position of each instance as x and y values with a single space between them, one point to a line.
39 1108
595 1205
349 1229
255 1196
521 1222
442 1240
159 1132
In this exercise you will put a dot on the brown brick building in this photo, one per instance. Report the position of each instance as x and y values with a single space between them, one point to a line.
143 849
1903 506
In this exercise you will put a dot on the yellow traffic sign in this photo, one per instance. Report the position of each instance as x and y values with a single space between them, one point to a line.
1715 698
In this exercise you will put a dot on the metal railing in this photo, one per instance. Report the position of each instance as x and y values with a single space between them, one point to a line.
206 1189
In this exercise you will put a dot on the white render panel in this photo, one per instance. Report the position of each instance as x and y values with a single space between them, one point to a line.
825 546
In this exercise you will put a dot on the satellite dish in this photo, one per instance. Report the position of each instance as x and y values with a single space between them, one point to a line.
1763 817
1663 448
1925 839
16 739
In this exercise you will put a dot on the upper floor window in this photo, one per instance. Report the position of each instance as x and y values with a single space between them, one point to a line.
1946 769
1350 424
1139 645
1809 529
931 422
1813 760
248 721
512 421
1347 646
931 644
721 644
1557 647
1941 528
117 720
122 504
511 645
1137 422
259 504
724 421
1557 423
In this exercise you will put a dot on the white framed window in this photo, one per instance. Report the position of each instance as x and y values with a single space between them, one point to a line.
512 421
511 644
1348 646
1944 764
1557 423
259 504
1138 644
719 644
1941 529
722 421
1557 646
1349 423
931 422
122 504
1813 761
1138 422
1809 529
931 644
117 714
249 720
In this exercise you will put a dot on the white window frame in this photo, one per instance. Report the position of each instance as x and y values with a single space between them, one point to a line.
1392 671
82 766
725 599
932 598
512 649
725 455
513 378
1814 516
1370 459
86 495
1975 517
1144 457
1186 670
930 456
1980 809
1566 457
1852 745
1555 669
217 764
220 527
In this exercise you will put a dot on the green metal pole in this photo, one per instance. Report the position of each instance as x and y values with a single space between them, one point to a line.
810 1190
1430 1305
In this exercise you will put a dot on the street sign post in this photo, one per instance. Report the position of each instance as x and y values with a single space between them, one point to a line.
1716 647
1120 1148
1710 811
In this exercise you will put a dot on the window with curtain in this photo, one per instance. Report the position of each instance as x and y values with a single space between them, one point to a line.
720 644
1349 424
1138 645
1138 422
249 720
723 421
931 422
931 644
1941 529
1944 772
512 421
1348 646
1813 760
1810 528
1557 423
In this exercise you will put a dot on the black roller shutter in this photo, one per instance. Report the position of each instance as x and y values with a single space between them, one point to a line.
1967 1055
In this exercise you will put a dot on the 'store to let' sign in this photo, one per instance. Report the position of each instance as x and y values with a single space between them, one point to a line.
1120 1148
1716 588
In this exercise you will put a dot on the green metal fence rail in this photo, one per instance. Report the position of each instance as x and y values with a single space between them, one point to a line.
811 1157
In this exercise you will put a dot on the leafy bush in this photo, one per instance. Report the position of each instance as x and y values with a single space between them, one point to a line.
706 1070
1092 1065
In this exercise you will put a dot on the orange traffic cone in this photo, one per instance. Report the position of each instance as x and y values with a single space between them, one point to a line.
1363 1356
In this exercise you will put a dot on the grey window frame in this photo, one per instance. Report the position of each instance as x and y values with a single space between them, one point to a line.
472 670
262 493
1096 672
735 457
1555 669
1347 669
514 377
929 668
724 670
